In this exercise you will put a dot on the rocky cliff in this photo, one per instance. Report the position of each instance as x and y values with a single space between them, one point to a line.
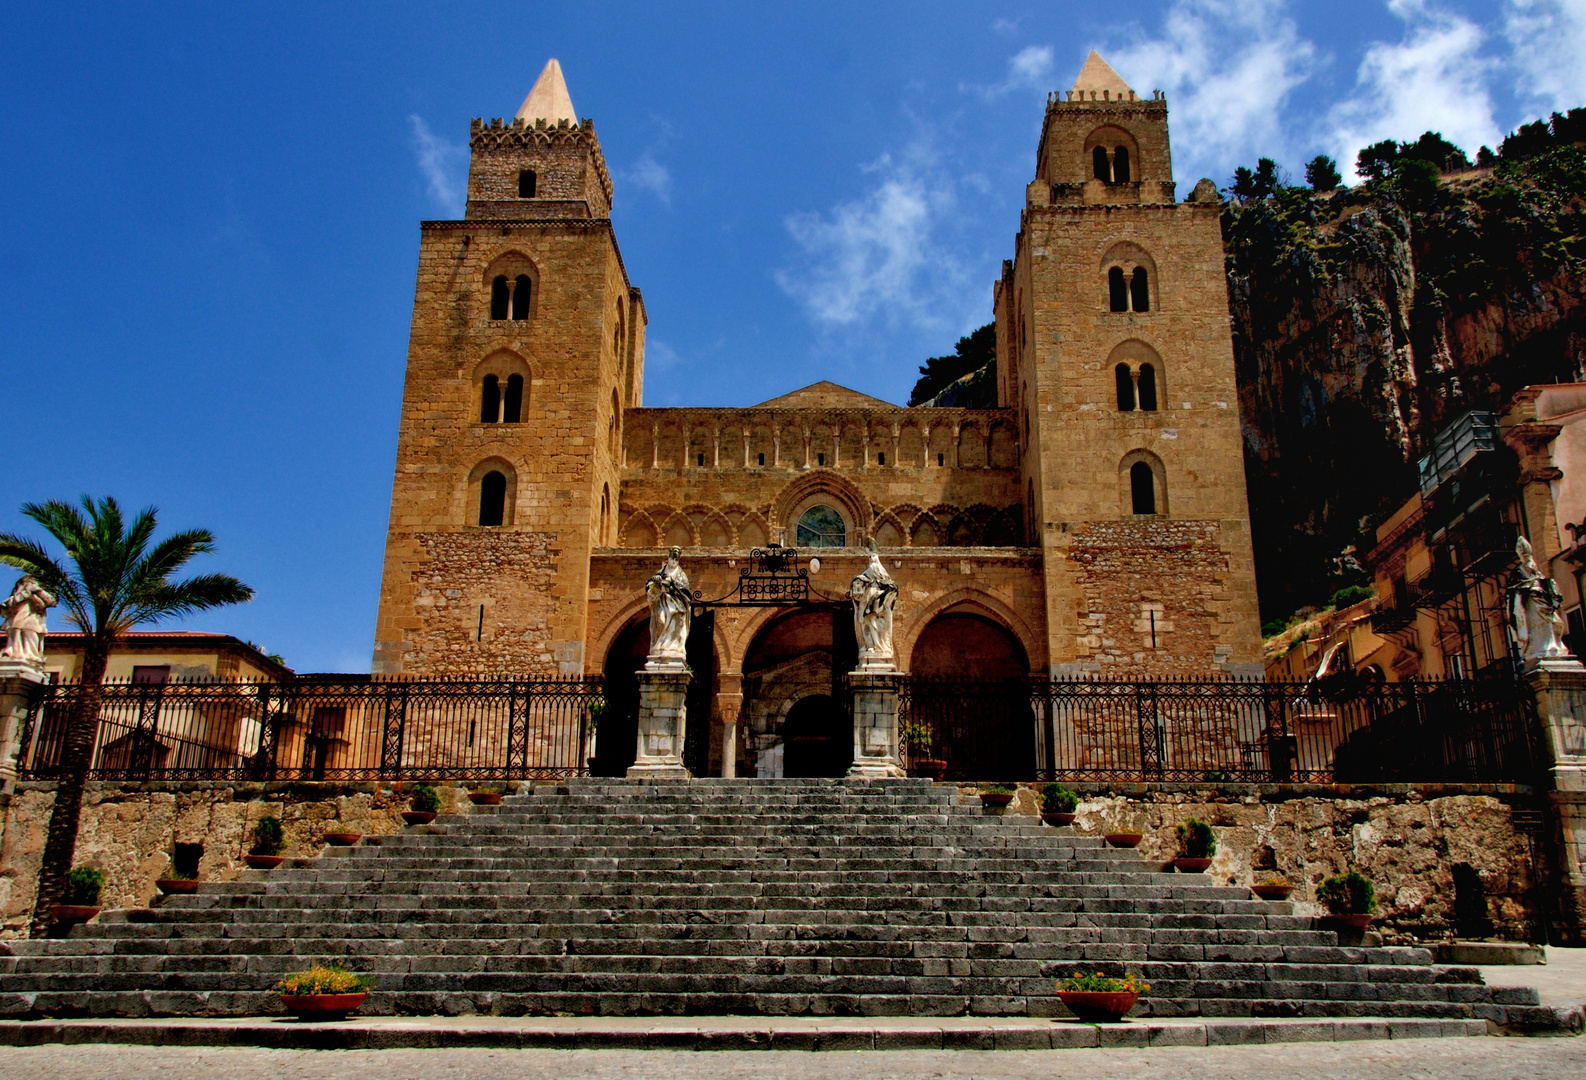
1366 318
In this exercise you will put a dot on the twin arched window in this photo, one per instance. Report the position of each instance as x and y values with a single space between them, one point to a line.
1128 292
510 297
498 405
1113 171
1136 389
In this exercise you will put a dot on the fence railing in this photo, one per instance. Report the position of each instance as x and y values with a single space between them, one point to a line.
353 729
1467 731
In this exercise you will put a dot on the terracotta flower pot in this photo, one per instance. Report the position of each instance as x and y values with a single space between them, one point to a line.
1057 818
1354 922
484 798
264 862
319 1007
342 839
177 885
1124 839
1098 1006
929 768
73 913
1186 865
1272 891
997 799
418 817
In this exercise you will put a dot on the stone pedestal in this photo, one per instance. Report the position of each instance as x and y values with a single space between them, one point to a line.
17 682
875 696
1560 690
663 723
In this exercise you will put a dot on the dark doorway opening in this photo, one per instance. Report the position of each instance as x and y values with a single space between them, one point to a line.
818 737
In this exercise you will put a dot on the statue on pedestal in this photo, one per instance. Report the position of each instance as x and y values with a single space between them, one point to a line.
874 594
1534 602
25 621
671 612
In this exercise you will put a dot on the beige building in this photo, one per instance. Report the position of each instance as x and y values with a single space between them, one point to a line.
164 656
1092 523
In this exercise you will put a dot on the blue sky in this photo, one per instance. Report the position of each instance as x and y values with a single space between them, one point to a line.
211 211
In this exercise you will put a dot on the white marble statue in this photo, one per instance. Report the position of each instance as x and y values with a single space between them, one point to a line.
874 594
1534 602
25 621
671 611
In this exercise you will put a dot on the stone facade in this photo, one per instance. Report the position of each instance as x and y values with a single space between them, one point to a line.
1025 516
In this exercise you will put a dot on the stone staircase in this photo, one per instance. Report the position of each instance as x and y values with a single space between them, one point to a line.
782 898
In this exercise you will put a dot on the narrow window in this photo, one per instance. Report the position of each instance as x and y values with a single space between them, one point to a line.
820 459
1120 165
490 401
526 183
512 403
1147 388
1098 160
702 461
1117 290
492 499
151 674
762 459
881 457
1142 488
1140 290
1125 383
499 294
941 459
522 293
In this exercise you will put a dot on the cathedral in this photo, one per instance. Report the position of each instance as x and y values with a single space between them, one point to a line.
1093 524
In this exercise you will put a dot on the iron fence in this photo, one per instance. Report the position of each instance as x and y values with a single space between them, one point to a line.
1466 731
340 729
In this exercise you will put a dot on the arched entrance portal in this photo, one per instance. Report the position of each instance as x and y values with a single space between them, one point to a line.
970 693
616 741
795 702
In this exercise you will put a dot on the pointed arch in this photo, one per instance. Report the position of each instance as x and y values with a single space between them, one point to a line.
969 601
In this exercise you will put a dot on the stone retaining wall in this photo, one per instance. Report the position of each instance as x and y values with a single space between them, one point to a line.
1407 841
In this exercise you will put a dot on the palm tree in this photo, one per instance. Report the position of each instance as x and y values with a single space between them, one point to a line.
116 581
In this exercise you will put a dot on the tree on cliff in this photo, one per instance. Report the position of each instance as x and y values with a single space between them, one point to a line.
1321 172
117 579
973 352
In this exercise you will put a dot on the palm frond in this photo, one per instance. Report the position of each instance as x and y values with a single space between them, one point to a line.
175 599
30 557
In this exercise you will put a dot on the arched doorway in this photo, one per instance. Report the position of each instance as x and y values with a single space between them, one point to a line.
616 741
817 737
970 693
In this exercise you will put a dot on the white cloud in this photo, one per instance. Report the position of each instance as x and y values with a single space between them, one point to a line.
652 176
882 255
659 356
1228 67
1005 26
1434 79
1549 42
444 166
1029 69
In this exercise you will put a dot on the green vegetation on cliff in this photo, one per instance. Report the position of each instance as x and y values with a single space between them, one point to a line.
1367 318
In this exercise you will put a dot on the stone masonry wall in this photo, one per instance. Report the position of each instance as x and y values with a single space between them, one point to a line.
1406 841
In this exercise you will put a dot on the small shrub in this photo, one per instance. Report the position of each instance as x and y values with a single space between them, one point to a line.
916 736
269 836
1273 879
593 712
176 874
1196 840
425 799
83 886
1352 594
326 979
1103 984
998 789
1057 799
1216 776
1348 894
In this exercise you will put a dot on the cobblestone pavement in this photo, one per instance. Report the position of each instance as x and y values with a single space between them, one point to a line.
1433 1059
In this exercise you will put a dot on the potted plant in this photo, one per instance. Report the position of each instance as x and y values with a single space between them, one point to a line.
178 881
1276 887
1349 898
997 796
80 892
485 796
1099 998
1196 846
917 739
342 838
329 992
1058 804
425 803
1124 838
592 715
269 840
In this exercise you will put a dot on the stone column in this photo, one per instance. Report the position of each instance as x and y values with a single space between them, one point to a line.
730 701
875 697
663 723
18 680
1560 689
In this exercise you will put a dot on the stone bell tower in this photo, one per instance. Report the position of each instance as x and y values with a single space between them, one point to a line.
1114 346
527 345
